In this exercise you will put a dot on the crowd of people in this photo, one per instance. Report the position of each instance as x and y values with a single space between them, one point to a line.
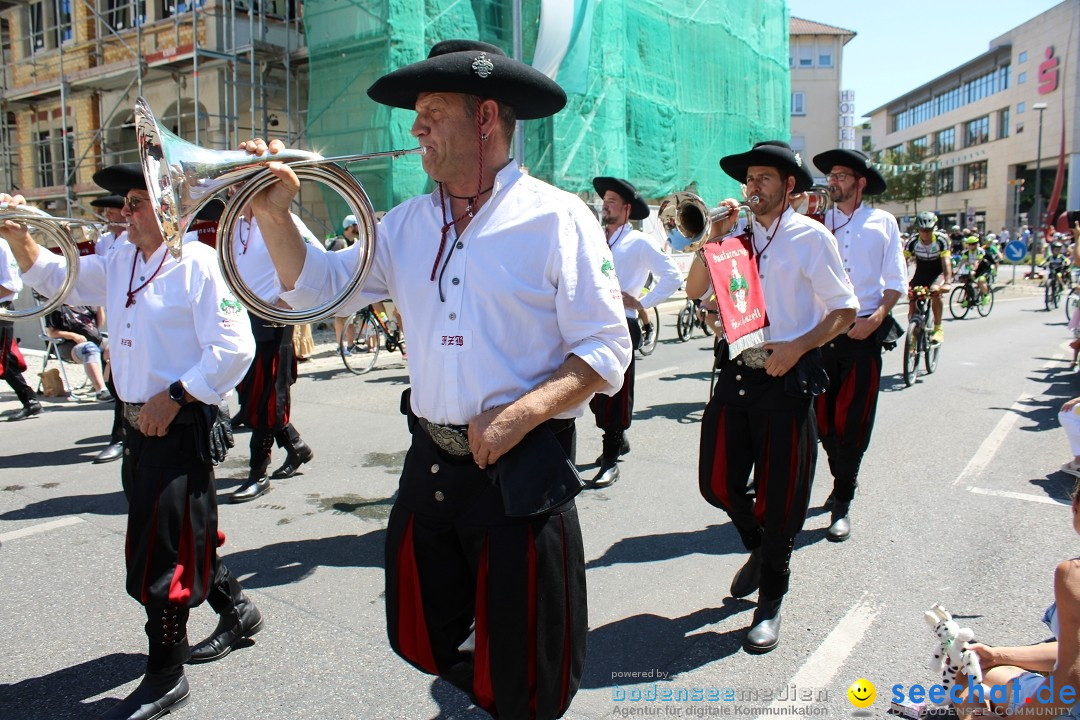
485 565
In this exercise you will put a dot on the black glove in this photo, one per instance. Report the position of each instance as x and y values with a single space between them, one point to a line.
221 434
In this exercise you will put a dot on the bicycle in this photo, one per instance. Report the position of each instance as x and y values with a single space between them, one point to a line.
646 349
368 333
1072 300
1054 287
967 295
917 344
692 315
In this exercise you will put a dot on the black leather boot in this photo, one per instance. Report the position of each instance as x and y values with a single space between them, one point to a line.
748 578
607 475
764 634
299 453
239 619
164 688
840 529
257 483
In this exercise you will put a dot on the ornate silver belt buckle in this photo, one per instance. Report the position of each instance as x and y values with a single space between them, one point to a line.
754 357
132 412
449 439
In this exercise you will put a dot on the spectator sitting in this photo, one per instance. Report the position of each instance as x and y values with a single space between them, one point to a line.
82 343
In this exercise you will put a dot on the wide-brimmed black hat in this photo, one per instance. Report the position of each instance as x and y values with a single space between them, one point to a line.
108 201
211 211
771 153
118 179
857 161
638 209
473 68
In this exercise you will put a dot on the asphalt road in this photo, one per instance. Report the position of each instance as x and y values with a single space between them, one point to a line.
961 503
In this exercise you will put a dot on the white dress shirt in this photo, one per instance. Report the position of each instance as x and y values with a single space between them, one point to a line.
635 257
185 325
109 242
253 259
872 253
801 275
10 277
529 282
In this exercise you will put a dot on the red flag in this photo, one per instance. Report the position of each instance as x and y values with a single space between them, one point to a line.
741 300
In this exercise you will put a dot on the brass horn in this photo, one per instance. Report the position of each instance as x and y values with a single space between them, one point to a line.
692 217
182 177
59 231
813 203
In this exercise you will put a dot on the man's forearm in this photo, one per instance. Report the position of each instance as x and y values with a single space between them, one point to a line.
24 249
287 249
834 323
889 298
572 384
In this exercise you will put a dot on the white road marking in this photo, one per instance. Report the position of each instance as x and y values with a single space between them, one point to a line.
824 663
989 447
651 373
40 528
1018 496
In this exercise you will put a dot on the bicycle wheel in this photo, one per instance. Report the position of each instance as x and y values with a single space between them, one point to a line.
985 308
1057 294
705 327
714 376
646 349
911 352
360 355
684 324
1048 295
958 302
931 351
1072 302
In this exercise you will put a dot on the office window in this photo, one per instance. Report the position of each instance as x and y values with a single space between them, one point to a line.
806 55
35 18
977 131
1003 123
920 142
1021 78
44 169
175 7
945 141
1019 108
1022 57
867 144
824 57
798 103
944 180
124 14
62 8
975 175
798 143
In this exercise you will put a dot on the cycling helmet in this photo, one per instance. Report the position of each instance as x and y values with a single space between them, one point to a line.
972 239
1056 246
990 237
925 220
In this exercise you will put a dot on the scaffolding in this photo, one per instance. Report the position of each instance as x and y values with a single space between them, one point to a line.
215 71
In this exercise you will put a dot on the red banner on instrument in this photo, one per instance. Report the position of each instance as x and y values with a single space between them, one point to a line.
741 300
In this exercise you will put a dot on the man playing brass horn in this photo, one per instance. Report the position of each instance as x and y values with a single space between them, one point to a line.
760 417
180 341
515 319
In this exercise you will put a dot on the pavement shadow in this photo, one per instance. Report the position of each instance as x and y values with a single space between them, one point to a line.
1057 486
113 503
61 694
646 643
684 413
700 375
286 563
713 540
49 458
892 383
1042 412
453 703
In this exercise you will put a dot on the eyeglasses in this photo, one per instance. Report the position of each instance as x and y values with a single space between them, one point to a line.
134 203
838 177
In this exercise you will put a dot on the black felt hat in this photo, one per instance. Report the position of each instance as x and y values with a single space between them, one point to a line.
473 68
857 161
771 153
118 179
638 209
211 211
108 201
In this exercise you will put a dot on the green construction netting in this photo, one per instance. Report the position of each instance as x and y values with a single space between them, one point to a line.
658 90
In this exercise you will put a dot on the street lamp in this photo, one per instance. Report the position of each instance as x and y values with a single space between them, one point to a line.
1040 106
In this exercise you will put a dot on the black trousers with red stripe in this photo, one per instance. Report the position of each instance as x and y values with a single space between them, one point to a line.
752 425
845 413
614 412
265 393
172 523
11 369
456 564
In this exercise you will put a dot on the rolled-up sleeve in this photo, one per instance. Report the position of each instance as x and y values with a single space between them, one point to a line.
666 272
325 274
47 275
588 301
224 336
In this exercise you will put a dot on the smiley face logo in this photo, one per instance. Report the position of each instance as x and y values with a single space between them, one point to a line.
862 693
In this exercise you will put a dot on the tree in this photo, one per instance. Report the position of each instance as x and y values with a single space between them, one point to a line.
909 177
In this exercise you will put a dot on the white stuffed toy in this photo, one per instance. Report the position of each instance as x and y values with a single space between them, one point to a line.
952 656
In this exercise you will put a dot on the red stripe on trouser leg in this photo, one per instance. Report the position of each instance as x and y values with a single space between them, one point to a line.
150 549
821 409
793 473
184 573
718 482
413 640
761 480
532 620
483 690
271 400
871 398
565 696
844 399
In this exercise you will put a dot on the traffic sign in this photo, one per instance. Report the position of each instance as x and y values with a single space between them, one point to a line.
1016 251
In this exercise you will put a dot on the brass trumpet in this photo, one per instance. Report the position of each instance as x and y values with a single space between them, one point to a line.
59 230
692 217
182 177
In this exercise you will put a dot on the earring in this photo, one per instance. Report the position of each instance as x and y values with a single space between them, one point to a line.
483 136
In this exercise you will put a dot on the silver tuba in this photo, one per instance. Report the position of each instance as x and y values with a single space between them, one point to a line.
181 178
61 232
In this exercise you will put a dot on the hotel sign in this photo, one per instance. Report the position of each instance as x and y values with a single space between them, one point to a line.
847 120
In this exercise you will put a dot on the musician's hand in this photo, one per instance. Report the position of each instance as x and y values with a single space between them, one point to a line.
865 327
493 432
10 230
157 414
277 198
782 357
723 227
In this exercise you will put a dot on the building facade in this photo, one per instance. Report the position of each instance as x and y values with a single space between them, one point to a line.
979 126
822 114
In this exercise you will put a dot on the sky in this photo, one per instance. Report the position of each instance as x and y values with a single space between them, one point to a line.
901 44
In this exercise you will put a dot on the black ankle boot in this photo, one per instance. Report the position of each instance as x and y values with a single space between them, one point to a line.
164 687
840 529
764 634
239 619
257 483
299 453
607 475
748 578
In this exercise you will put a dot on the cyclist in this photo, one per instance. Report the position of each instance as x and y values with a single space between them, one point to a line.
1057 263
933 267
973 261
